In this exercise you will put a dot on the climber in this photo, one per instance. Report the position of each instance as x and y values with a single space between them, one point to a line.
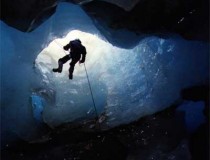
76 50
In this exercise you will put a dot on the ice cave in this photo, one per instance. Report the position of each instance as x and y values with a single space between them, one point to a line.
128 76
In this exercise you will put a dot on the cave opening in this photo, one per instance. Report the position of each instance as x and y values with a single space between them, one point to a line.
127 83
108 70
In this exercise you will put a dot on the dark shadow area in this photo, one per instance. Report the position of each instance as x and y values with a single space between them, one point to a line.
162 135
199 140
190 19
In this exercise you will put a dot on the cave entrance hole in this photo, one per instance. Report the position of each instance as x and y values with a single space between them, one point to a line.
73 97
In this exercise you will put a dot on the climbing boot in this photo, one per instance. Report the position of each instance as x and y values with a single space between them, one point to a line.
70 76
57 70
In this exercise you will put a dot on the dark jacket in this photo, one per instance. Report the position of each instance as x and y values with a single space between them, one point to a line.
77 49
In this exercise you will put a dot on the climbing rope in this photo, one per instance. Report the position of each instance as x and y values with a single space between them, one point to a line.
60 46
91 92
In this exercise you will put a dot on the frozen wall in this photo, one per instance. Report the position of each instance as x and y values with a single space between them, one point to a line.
127 84
18 75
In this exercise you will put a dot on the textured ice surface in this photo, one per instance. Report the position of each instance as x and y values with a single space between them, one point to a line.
38 106
127 84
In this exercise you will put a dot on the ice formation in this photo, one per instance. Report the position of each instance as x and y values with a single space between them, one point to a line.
127 83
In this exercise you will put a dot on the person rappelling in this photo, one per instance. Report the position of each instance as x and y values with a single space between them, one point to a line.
77 53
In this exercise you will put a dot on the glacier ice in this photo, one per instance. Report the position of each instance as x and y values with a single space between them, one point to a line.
38 104
127 83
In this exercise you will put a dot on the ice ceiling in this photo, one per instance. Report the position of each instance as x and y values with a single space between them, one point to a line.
127 83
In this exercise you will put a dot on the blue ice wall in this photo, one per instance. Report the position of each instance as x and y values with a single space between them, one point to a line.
127 84
18 76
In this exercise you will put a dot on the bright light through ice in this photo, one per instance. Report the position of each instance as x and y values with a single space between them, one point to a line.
126 84
73 96
95 49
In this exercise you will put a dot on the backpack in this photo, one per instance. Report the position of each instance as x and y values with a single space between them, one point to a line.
76 46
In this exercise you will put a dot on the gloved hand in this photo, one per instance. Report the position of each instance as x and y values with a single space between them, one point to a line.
65 48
